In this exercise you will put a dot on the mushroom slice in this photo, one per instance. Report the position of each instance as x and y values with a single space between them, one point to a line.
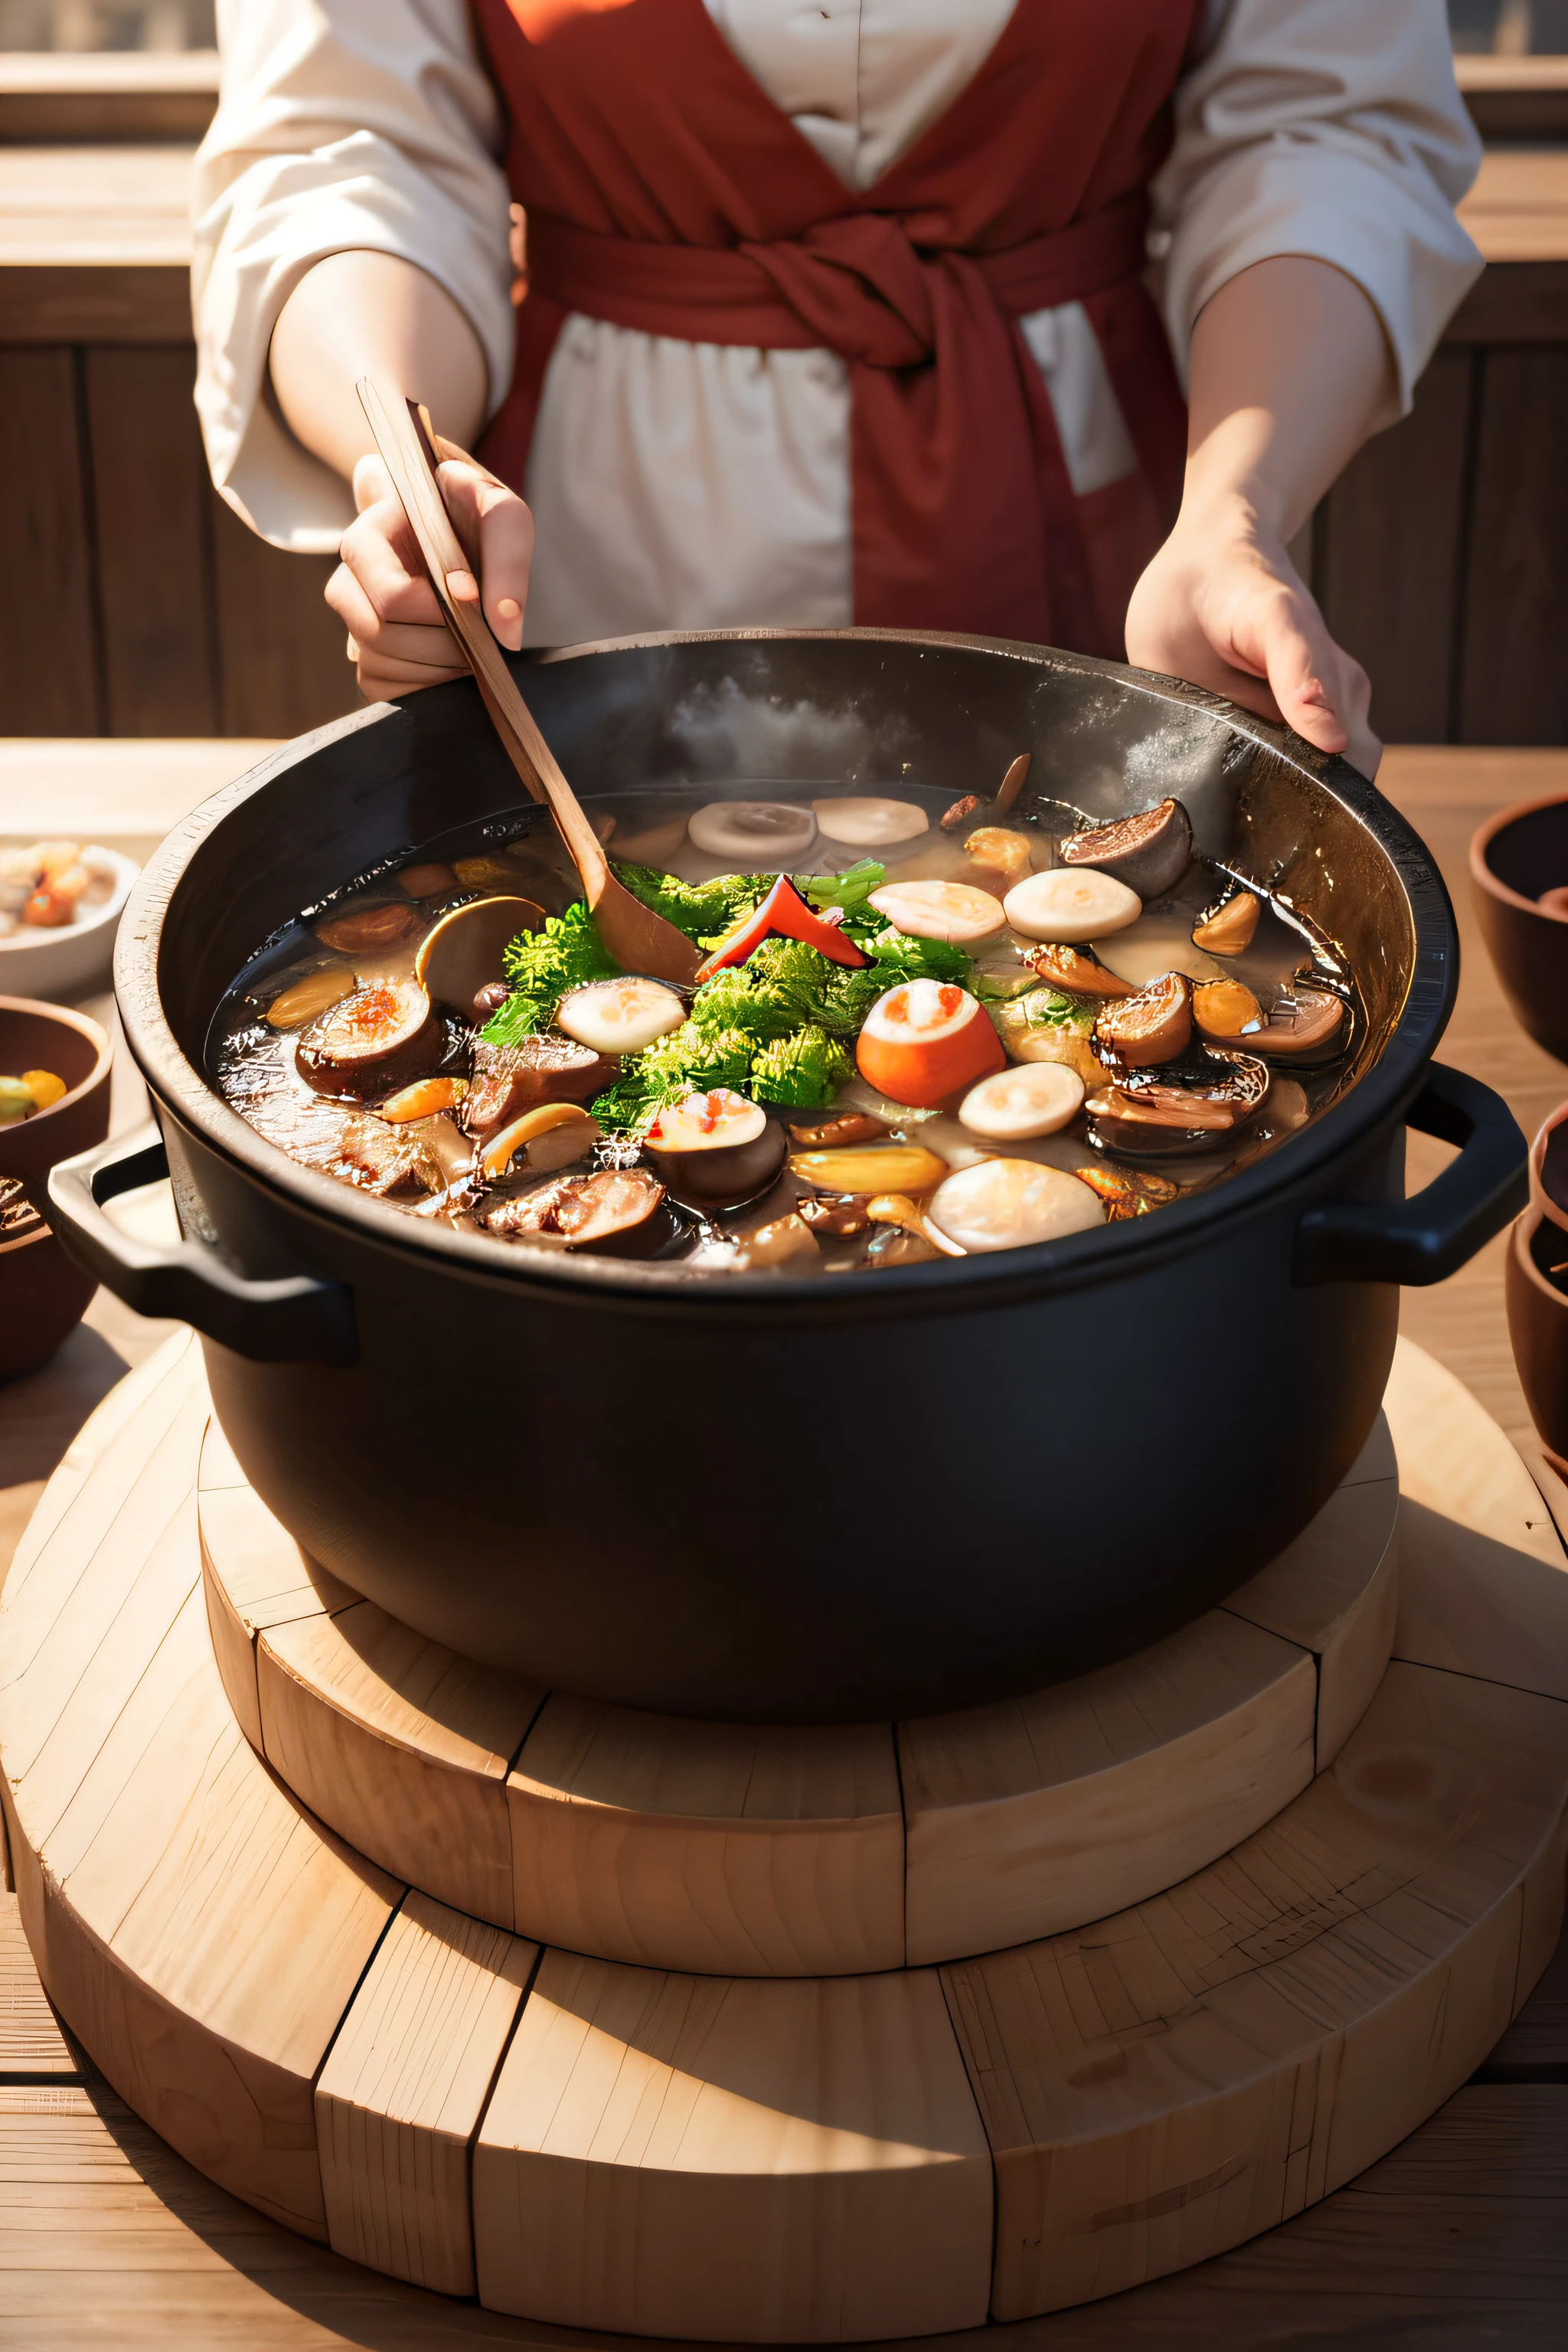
293 1006
854 1127
366 927
872 1167
427 880
423 1100
871 823
782 1240
546 1067
1128 1191
898 1209
954 911
458 955
1303 1021
1186 1111
1015 1106
622 1015
1224 1010
368 1040
760 833
612 1210
716 1150
497 1155
1008 1203
1001 850
954 819
1071 903
1148 852
1156 1025
841 1215
1227 929
1080 974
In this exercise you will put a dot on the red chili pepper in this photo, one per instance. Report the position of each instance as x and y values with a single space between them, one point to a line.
784 915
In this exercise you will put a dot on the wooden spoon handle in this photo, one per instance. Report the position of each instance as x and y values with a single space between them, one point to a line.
408 458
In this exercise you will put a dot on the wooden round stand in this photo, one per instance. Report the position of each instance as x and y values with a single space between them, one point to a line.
705 2031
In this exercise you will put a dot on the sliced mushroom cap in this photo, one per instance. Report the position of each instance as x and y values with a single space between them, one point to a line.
954 911
852 1127
366 927
369 1040
426 880
1227 929
547 1067
1072 904
622 1015
1187 1112
758 833
615 1210
717 1150
870 823
955 818
1080 974
1032 1099
458 955
1305 1023
581 1131
1156 1025
1009 1203
1225 1010
1149 852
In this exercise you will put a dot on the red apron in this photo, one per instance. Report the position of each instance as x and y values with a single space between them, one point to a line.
666 191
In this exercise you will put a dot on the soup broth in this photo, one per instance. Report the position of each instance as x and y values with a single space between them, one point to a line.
917 1029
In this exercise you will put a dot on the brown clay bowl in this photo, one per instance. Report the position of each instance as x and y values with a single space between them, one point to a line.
1515 856
43 1294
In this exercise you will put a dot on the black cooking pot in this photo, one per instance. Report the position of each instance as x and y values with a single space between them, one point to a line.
769 1498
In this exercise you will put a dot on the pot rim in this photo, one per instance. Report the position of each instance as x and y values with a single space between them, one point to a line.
96 1035
1482 872
1292 1170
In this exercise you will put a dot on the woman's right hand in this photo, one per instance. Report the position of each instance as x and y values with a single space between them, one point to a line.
380 590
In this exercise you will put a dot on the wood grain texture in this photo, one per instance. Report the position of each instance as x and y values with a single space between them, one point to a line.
1168 2083
153 547
1033 1816
739 1849
402 1745
201 1932
49 674
1511 685
1334 1591
399 2099
1486 1592
789 2160
1036 1814
31 2043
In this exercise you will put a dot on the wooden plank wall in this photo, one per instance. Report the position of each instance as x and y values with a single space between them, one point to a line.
1440 557
133 601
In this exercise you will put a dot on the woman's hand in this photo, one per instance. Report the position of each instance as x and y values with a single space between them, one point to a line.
1223 605
1289 372
382 592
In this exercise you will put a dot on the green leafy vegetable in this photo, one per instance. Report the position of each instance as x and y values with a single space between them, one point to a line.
803 1071
1044 1008
542 966
703 910
849 890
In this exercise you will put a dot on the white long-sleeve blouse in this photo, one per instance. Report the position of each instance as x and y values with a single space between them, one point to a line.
680 485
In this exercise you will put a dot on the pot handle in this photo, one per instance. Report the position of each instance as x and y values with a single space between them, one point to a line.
1428 1237
297 1320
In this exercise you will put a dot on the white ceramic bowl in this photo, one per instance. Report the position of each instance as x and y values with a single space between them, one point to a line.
61 964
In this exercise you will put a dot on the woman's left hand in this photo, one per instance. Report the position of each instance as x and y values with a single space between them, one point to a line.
1223 605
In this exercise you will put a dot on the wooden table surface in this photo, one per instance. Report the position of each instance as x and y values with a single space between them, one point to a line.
1455 2242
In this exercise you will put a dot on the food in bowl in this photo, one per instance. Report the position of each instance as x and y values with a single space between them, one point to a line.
53 884
979 1037
35 1090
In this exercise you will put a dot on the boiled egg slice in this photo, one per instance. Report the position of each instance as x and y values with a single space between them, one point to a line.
1008 1203
1015 1105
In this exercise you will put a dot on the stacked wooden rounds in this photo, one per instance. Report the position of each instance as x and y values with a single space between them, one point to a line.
809 2142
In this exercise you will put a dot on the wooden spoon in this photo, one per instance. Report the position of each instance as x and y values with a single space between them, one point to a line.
1012 784
640 940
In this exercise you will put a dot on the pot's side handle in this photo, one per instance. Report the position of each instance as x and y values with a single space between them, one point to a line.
297 1320
1431 1236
